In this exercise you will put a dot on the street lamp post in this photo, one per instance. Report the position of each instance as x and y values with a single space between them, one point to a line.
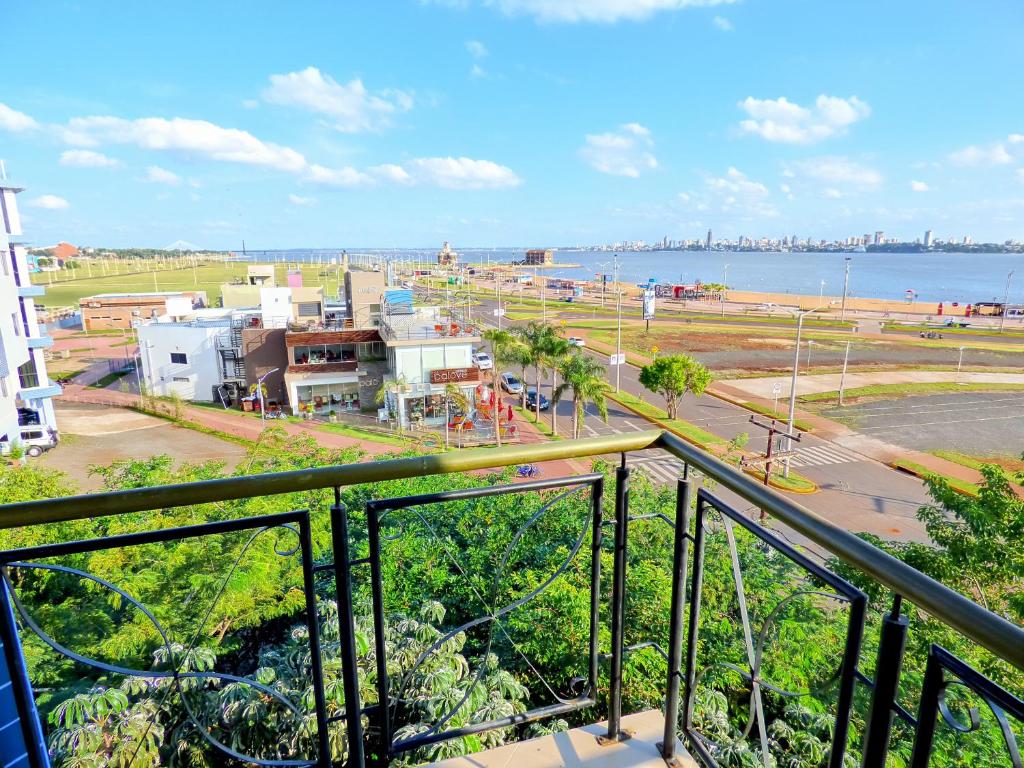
960 362
821 293
1006 301
792 387
846 287
259 391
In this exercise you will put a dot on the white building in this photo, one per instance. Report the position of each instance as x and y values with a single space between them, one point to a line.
26 391
425 353
180 355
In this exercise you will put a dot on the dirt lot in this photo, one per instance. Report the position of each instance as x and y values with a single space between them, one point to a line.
98 435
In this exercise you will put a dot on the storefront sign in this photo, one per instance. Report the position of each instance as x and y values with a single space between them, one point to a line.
454 375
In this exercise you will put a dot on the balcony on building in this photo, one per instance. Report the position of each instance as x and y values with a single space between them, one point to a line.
333 371
621 673
31 291
433 324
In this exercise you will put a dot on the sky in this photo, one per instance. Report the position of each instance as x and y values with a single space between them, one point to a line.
402 123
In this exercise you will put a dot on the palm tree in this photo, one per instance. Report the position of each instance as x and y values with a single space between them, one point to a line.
537 337
555 354
500 342
519 355
585 377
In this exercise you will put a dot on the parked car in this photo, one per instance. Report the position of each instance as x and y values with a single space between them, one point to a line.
27 417
482 361
577 341
567 299
531 399
34 439
511 384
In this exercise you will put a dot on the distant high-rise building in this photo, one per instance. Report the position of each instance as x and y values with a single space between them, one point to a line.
879 237
928 238
708 244
866 239
968 240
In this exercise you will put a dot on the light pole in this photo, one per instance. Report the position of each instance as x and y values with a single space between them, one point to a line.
725 280
259 391
792 387
846 287
1006 301
821 293
960 362
842 376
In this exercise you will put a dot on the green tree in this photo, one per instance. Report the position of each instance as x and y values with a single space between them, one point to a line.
555 354
537 338
501 341
584 377
672 377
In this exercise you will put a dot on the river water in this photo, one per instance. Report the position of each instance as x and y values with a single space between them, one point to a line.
946 277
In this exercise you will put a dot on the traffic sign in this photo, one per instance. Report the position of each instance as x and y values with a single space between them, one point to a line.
619 359
499 312
777 388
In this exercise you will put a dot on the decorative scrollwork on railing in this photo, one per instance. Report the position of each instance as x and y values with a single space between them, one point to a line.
491 620
180 678
935 705
726 737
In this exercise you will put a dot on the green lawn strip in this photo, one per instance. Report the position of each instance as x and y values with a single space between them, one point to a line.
109 379
544 427
689 432
167 415
1008 465
907 389
795 483
958 485
764 410
609 349
944 329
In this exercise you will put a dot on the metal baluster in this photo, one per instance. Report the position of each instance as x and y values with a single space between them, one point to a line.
618 608
347 633
695 590
380 644
684 495
316 660
887 681
35 747
595 585
928 712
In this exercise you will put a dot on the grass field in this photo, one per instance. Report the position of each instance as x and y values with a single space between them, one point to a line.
1009 465
905 390
913 468
207 277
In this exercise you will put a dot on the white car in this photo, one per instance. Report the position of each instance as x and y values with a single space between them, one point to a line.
577 341
482 361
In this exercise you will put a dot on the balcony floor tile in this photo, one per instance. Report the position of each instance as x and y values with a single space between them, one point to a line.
578 748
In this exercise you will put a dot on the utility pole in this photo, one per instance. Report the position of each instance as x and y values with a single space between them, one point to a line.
1006 302
792 386
618 330
768 455
846 288
960 362
842 376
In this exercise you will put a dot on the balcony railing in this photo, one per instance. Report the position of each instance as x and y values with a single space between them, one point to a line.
358 709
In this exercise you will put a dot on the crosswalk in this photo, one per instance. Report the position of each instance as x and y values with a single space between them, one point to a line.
820 455
661 469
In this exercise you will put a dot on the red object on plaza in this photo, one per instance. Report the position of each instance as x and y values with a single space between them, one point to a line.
940 307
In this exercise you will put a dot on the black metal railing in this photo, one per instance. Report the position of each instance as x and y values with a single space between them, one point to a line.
729 709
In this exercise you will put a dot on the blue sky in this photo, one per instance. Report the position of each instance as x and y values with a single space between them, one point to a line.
512 122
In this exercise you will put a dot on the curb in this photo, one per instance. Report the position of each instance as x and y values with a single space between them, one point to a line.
927 474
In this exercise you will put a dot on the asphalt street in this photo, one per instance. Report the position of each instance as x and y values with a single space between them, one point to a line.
856 493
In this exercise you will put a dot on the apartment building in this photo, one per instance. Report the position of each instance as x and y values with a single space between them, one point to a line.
26 392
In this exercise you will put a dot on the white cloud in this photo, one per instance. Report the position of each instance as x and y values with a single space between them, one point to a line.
158 175
300 200
476 49
49 202
623 152
1020 175
736 182
832 193
974 156
391 172
336 177
15 121
722 23
839 171
1015 138
461 173
919 186
251 103
350 107
84 158
602 11
191 137
787 122
477 72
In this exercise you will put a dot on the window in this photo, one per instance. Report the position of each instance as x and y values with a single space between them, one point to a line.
14 321
179 358
183 379
308 309
3 387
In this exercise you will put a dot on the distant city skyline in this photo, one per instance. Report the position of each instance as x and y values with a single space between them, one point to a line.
489 123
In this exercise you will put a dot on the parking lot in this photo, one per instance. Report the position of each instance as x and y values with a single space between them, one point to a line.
975 423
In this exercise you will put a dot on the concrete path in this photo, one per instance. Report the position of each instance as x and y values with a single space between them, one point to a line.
829 382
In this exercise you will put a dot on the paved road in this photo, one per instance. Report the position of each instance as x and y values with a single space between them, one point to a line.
986 423
857 494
